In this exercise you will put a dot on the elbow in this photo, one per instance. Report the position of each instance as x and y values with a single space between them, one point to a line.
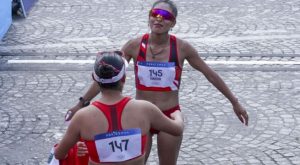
58 156
180 127
179 131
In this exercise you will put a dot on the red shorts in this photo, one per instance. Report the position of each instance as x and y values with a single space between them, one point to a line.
168 114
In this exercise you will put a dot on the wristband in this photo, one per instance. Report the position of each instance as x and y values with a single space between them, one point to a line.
84 102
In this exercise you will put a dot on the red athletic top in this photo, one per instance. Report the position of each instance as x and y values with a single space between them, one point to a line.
113 113
173 58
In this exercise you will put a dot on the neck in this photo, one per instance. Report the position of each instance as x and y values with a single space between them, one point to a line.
159 39
111 96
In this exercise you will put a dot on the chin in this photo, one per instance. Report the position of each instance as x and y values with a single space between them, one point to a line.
159 32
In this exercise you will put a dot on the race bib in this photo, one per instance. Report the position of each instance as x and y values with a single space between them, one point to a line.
157 74
118 146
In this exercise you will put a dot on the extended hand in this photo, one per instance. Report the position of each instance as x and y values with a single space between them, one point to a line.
241 113
70 113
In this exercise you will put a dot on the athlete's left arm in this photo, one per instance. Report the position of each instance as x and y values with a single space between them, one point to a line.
192 56
70 138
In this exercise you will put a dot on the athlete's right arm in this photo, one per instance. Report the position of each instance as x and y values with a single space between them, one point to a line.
161 122
89 95
126 49
131 48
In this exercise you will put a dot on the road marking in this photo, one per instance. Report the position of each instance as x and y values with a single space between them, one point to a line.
254 62
208 62
239 38
50 61
79 43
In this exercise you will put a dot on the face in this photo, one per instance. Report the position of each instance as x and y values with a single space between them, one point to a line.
161 18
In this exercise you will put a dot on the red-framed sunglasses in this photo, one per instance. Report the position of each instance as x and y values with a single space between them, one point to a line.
162 14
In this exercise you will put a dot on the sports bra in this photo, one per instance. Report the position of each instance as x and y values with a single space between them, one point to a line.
117 145
157 76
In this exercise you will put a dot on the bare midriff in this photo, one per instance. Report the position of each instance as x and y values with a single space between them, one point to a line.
163 100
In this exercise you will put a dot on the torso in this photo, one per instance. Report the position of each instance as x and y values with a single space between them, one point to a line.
163 99
98 124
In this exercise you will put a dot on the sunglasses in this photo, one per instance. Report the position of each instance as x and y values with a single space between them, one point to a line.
161 14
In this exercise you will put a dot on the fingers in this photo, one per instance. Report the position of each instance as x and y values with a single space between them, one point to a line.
68 115
244 118
82 152
81 149
81 144
241 114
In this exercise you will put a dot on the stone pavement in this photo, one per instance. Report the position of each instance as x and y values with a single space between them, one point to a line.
33 105
251 27
34 98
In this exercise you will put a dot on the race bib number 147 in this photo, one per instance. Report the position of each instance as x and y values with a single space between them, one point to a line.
119 146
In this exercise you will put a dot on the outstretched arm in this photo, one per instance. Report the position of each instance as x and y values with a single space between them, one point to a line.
196 62
89 95
160 122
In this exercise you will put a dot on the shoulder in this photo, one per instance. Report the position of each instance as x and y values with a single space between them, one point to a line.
133 43
131 47
183 44
85 112
185 48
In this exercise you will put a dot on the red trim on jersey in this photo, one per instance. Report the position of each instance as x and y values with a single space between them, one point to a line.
114 123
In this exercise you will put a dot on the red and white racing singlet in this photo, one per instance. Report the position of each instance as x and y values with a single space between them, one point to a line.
117 144
157 76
